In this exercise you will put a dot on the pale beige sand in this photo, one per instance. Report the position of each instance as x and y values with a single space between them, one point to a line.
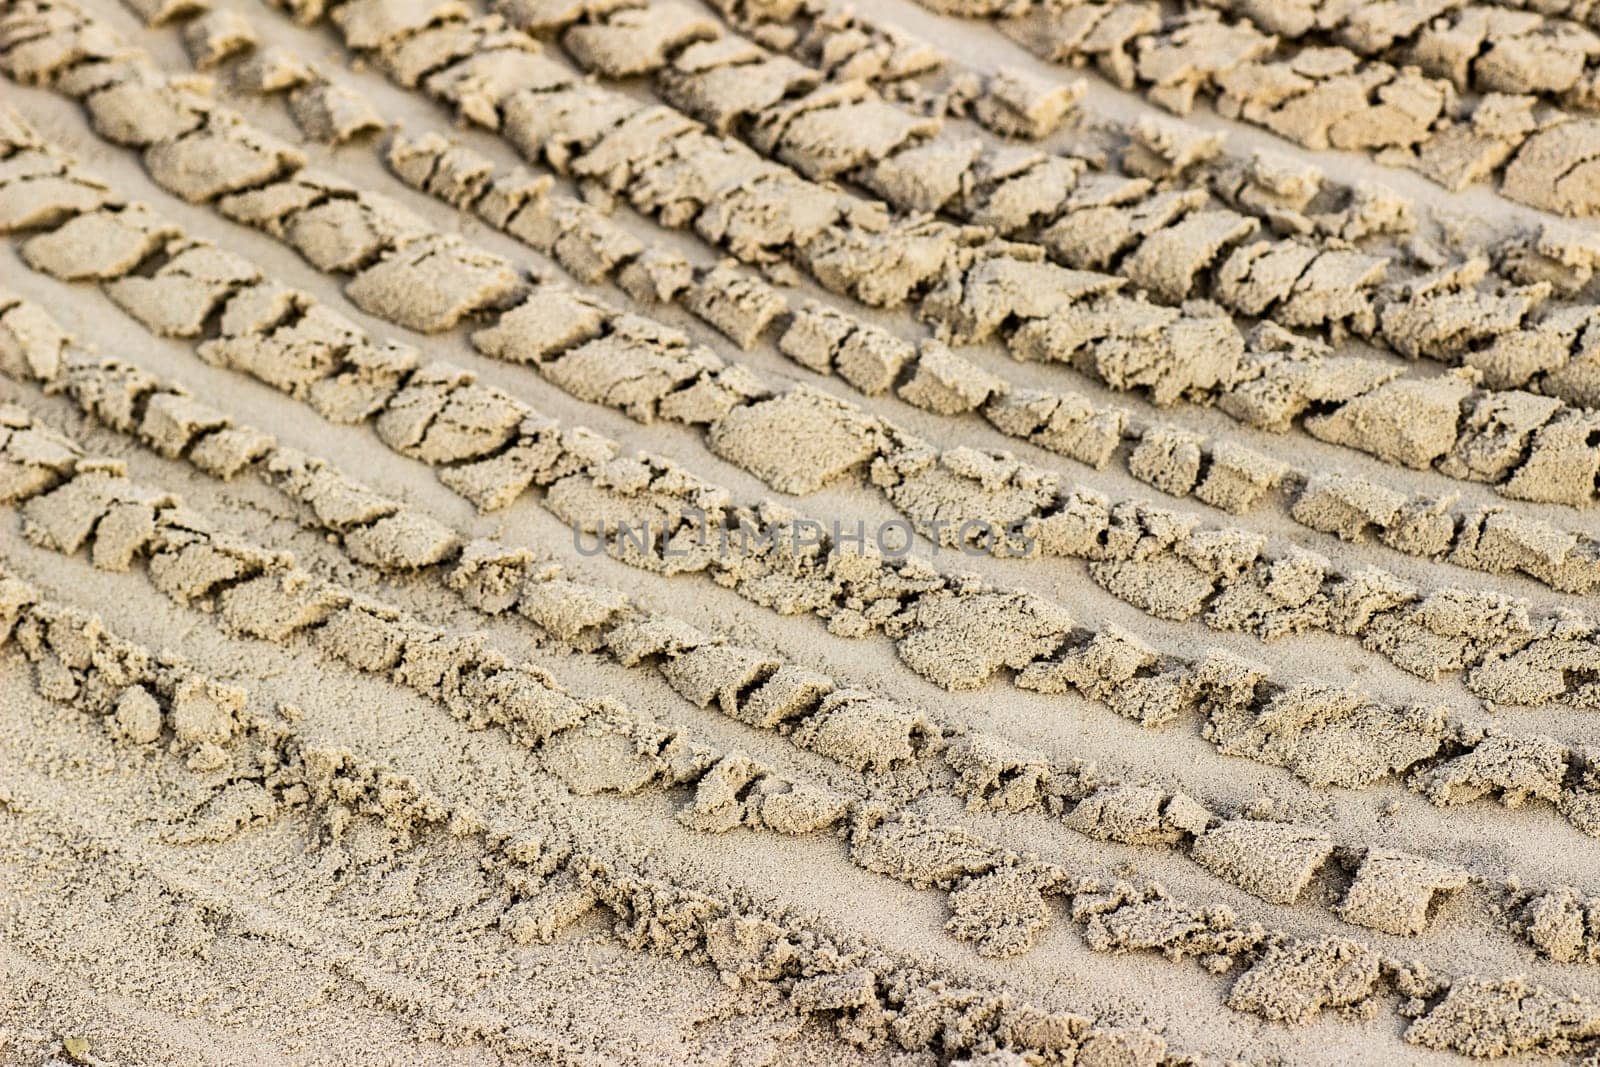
1263 729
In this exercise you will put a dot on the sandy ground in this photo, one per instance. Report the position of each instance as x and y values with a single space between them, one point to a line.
1252 722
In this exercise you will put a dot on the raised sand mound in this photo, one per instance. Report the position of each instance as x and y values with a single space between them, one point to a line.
732 531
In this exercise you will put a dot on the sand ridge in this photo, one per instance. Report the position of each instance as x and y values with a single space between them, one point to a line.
777 255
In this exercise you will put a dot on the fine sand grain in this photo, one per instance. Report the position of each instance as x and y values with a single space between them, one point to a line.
750 532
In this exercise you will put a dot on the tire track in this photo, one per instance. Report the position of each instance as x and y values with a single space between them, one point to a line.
1353 399
1118 918
1152 559
1394 894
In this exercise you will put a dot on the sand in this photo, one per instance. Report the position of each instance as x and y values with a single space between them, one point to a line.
734 532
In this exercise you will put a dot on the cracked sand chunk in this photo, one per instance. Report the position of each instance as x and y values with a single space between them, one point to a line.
717 673
837 128
641 367
1330 735
656 276
1336 291
275 606
1563 461
1441 315
1330 98
791 693
489 575
1295 981
1562 647
1133 815
1563 924
368 24
108 389
1126 918
972 306
727 81
1412 422
1132 344
1005 910
458 175
1563 254
1066 424
65 518
1191 54
1558 169
32 344
1463 152
1105 664
869 357
1449 630
333 112
47 198
216 36
958 639
924 177
42 42
638 40
1011 189
1513 768
406 540
99 245
1395 891
271 70
883 268
333 224
994 774
303 348
798 441
430 284
366 635
1274 861
225 453
180 298
578 614
442 416
136 104
1501 541
864 731
345 234
739 305
966 497
1271 598
1238 477
1159 147
549 322
1348 506
1495 435
586 242
1167 458
948 384
226 155
1370 210
491 69
1484 1018
1096 236
1017 103
922 854
561 124
1173 261
172 422
1263 274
